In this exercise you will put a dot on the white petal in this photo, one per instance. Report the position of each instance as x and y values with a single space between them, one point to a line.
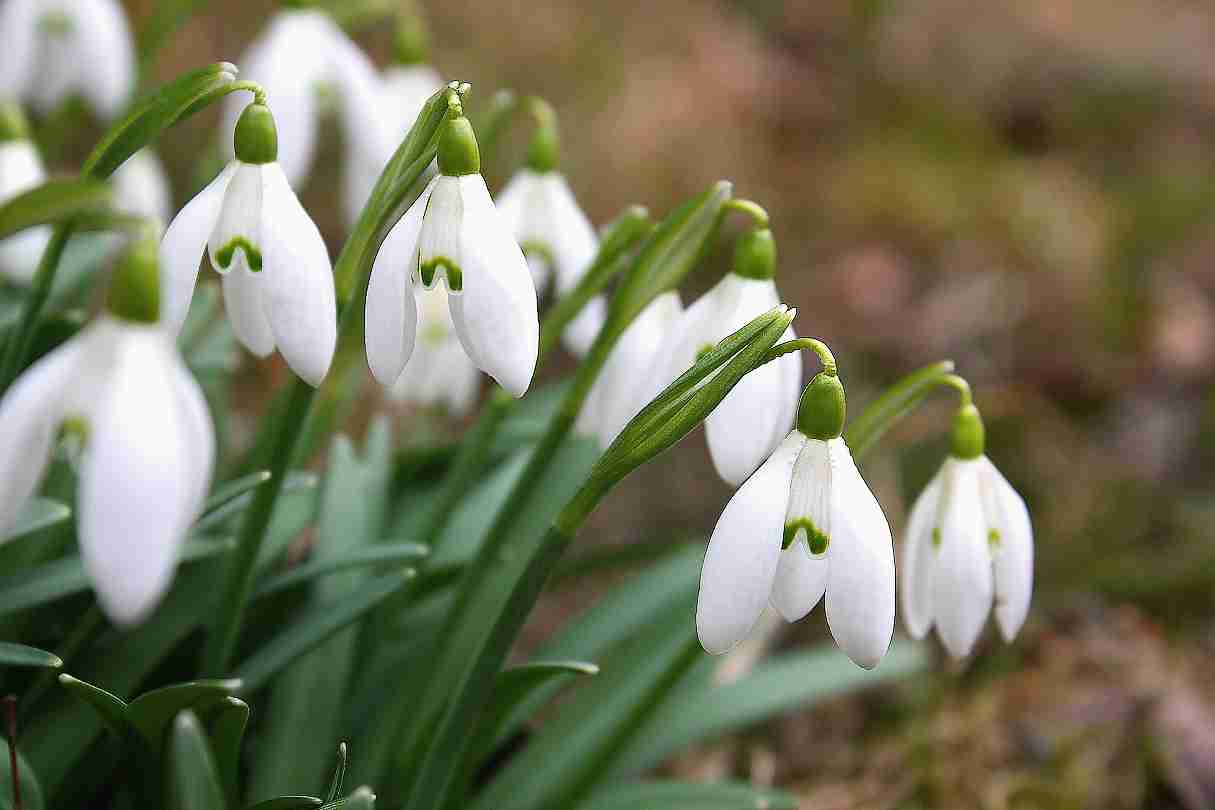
141 187
136 491
740 563
21 253
104 56
18 40
20 168
243 301
497 311
918 559
582 330
298 294
238 229
860 583
446 221
801 579
1013 554
182 247
391 312
30 412
571 236
198 437
961 575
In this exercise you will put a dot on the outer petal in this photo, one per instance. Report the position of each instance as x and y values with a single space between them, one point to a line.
18 42
584 328
141 187
104 60
20 170
243 301
405 89
182 248
497 311
391 313
740 563
961 576
919 557
801 579
21 252
198 435
570 233
136 488
298 294
1013 556
860 583
30 413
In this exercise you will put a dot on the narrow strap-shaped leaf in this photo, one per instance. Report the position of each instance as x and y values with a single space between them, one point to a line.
385 554
882 414
37 514
220 509
225 722
193 781
53 201
152 712
229 490
687 796
515 685
339 775
32 797
287 803
109 707
19 655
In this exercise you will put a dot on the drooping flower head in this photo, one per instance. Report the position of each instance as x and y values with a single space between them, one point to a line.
969 544
438 371
20 170
141 187
757 414
51 50
148 441
804 525
454 235
277 279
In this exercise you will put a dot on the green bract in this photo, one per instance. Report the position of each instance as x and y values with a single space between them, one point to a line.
256 138
966 435
820 414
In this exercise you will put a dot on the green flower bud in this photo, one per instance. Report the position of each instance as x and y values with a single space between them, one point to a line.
966 440
13 126
458 153
256 137
134 293
755 255
545 147
410 43
820 414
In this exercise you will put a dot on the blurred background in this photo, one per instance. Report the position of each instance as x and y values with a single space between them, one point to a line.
1024 187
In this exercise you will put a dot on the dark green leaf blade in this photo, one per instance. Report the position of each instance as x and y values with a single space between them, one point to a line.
31 789
152 712
287 803
38 514
514 685
109 707
687 796
193 782
19 655
53 201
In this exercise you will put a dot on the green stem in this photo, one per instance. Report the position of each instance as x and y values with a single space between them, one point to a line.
22 338
797 344
898 400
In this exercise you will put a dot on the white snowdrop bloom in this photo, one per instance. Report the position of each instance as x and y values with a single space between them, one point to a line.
615 398
51 50
20 170
438 371
141 187
803 525
453 233
148 444
405 90
969 544
754 417
307 64
277 279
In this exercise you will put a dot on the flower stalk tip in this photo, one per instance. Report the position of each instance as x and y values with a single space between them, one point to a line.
458 154
966 438
755 255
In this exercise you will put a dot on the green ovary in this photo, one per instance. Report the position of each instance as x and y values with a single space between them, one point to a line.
815 539
228 252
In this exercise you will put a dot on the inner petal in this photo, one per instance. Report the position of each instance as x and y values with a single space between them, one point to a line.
808 515
239 227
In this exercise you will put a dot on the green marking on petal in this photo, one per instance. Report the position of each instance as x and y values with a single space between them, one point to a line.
434 333
815 539
539 249
252 255
74 427
55 24
936 537
429 270
993 538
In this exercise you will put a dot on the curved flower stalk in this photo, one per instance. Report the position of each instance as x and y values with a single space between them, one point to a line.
559 241
51 50
757 414
148 441
969 544
453 233
615 398
803 526
438 371
20 170
306 64
277 279
142 188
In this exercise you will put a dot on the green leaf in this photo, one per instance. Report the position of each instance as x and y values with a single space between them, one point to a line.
31 790
157 112
287 803
339 775
687 796
315 625
152 712
110 708
899 399
515 684
36 515
305 574
224 505
53 201
19 655
702 711
361 799
66 577
193 778
225 722
230 490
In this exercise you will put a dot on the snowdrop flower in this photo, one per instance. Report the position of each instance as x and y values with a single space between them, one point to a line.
753 418
969 544
141 187
277 280
20 170
53 49
803 525
556 236
438 371
453 233
148 441
306 63
615 398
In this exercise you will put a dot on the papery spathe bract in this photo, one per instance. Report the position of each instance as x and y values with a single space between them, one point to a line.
51 50
810 493
147 460
21 170
438 371
969 544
